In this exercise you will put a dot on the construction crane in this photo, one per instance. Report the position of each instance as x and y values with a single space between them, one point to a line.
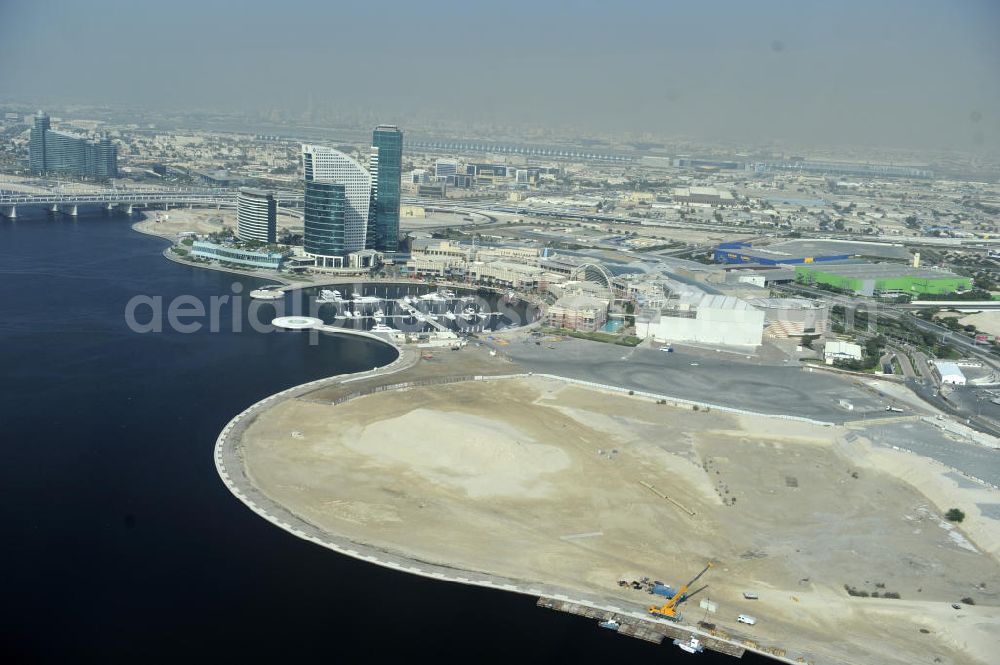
669 609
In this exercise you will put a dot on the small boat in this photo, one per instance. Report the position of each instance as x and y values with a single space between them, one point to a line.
328 296
609 624
356 296
692 645
267 293
468 313
450 316
348 314
380 328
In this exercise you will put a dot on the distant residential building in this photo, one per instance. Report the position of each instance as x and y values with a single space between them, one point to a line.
52 151
322 164
703 196
419 177
842 168
325 222
486 170
238 256
256 215
387 169
443 168
438 190
684 161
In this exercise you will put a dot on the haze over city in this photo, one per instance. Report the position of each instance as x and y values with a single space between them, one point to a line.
897 74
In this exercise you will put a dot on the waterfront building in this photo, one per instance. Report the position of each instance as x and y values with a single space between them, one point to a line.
582 313
326 165
256 216
244 257
325 222
387 167
52 151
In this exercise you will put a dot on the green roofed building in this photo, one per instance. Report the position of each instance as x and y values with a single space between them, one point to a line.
883 279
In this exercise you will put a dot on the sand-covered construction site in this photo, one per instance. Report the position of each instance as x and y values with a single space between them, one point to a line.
547 482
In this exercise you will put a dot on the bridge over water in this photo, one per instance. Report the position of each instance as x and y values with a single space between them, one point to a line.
129 199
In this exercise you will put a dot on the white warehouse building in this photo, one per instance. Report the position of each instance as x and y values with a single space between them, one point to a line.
706 319
951 373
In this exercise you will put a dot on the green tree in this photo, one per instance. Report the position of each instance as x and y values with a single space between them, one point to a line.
954 515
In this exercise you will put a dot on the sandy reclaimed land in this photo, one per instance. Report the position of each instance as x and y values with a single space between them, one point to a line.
987 322
171 223
539 480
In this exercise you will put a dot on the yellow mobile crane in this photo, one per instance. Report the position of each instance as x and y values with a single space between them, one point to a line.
669 609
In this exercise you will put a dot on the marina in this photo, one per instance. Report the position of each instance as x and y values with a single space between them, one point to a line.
434 311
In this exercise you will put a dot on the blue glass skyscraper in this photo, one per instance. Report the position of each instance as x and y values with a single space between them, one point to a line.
323 237
386 168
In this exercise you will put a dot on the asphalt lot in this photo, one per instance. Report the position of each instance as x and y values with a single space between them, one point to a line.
926 439
723 378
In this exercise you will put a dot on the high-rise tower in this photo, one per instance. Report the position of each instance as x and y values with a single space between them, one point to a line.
51 151
386 167
322 164
256 216
36 146
324 223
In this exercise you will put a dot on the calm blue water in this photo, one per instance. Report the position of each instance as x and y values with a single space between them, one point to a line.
612 326
120 544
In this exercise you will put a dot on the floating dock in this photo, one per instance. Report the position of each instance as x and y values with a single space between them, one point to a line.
650 631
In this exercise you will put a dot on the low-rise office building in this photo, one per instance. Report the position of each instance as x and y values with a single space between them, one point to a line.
228 254
513 275
582 313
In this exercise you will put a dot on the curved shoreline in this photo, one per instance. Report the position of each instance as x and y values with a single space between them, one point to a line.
229 465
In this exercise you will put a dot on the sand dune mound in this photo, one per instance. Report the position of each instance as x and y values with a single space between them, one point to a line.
478 455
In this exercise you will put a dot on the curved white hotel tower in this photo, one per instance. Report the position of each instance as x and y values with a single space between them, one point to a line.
256 215
322 164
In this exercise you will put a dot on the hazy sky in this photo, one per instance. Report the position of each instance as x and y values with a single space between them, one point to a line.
903 73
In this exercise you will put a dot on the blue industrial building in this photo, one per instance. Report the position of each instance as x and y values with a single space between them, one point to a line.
743 252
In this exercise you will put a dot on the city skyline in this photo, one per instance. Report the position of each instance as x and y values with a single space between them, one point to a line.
918 75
